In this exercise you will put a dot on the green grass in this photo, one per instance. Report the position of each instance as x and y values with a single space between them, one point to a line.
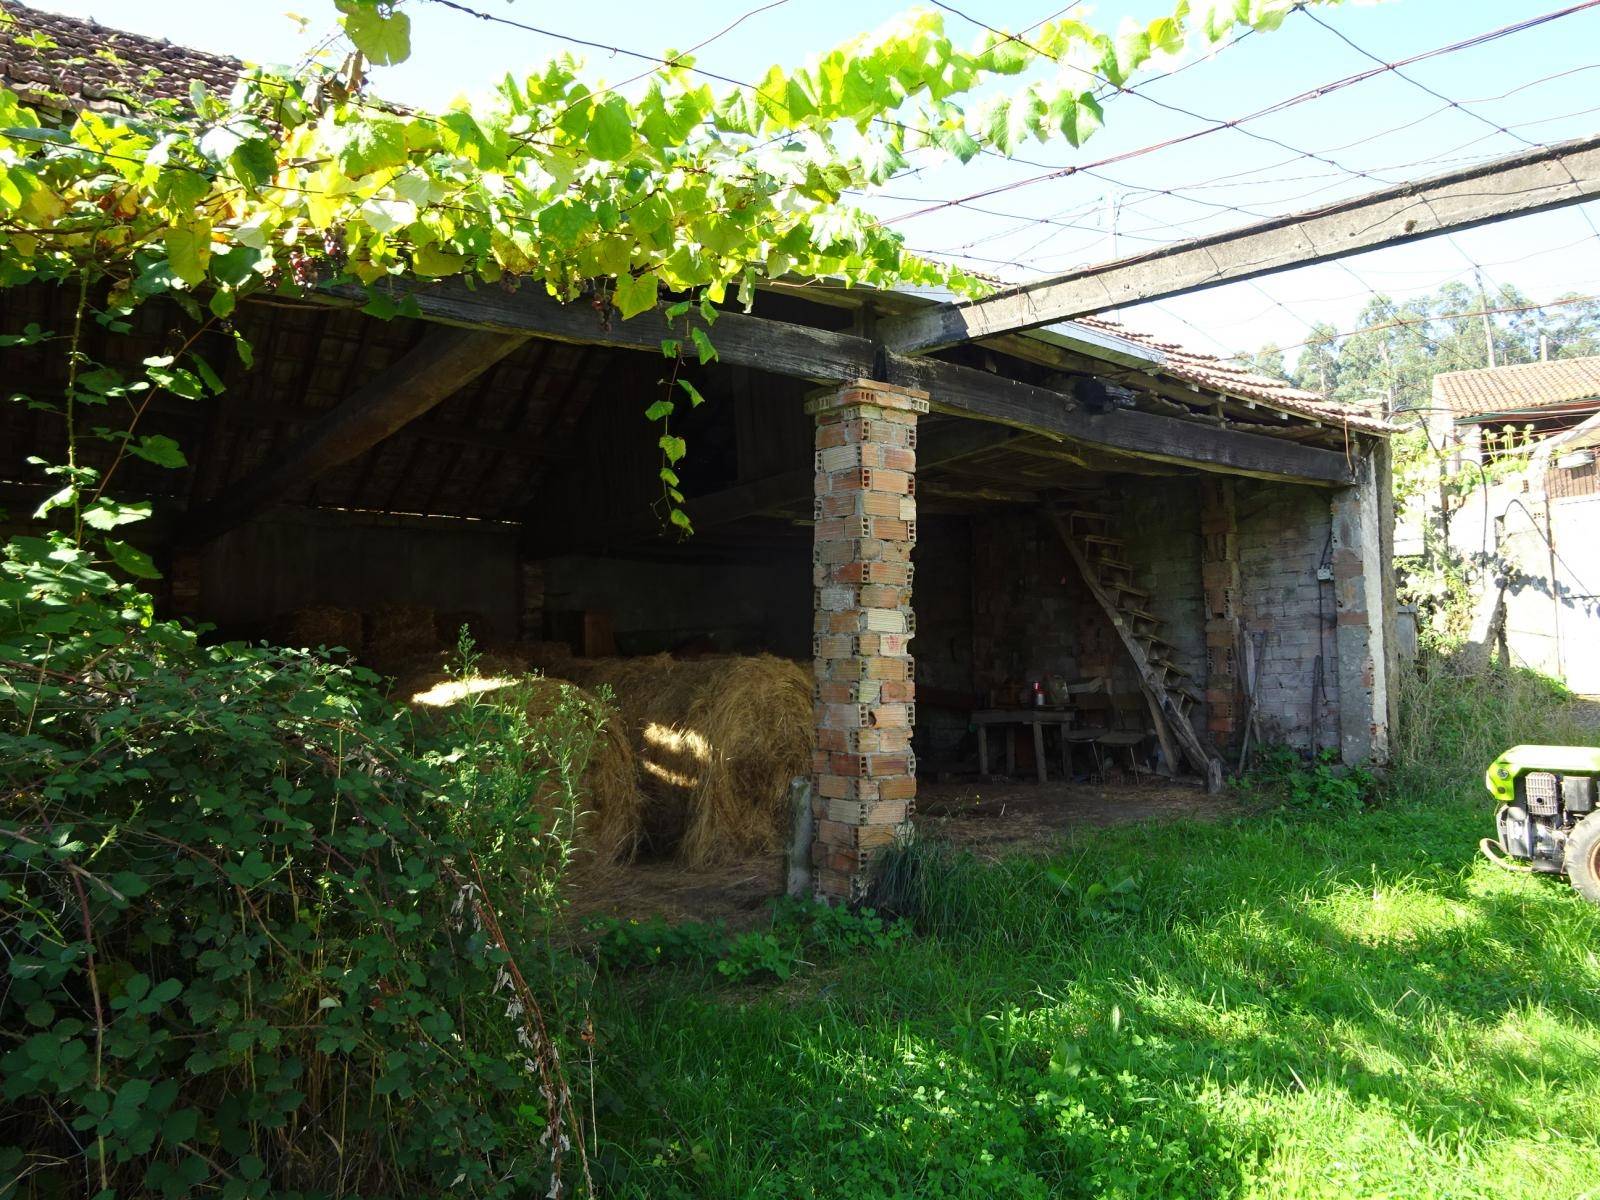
1293 1005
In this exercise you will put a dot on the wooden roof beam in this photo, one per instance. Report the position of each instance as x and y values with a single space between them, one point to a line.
827 357
1532 181
444 361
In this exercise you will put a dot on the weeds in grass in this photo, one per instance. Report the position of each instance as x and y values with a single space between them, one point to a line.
1454 725
1286 780
798 928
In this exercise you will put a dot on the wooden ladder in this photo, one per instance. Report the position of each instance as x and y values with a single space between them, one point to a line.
1168 690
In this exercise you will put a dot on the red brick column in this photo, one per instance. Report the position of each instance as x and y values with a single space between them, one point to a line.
866 523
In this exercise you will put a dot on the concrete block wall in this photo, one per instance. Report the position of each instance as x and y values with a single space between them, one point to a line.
1032 615
1284 536
655 605
1160 520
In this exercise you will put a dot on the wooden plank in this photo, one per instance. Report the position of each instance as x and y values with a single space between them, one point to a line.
826 357
741 339
1532 181
438 367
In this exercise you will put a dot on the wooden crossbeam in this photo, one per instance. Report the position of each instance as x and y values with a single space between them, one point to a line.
445 360
1529 182
829 357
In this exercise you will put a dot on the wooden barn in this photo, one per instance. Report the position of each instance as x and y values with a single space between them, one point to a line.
1044 551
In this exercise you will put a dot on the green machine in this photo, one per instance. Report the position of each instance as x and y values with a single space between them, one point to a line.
1547 819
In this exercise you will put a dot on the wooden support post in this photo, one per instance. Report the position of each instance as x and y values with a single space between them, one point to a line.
1220 584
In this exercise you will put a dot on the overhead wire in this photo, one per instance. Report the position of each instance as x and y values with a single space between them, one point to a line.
1283 105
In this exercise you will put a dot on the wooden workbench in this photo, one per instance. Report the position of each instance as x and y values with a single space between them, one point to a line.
1036 718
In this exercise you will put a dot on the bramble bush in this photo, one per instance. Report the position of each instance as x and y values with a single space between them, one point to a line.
255 943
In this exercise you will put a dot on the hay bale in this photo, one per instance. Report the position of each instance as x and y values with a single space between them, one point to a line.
321 625
609 823
398 632
718 741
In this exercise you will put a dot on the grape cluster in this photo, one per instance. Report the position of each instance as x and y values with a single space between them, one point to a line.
333 244
303 268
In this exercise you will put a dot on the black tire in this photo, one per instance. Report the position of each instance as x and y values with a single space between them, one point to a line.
1583 857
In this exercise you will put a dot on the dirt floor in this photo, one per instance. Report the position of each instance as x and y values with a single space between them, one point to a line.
990 818
1002 817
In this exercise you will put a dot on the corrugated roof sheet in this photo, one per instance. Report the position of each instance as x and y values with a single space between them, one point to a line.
1208 371
1520 387
83 62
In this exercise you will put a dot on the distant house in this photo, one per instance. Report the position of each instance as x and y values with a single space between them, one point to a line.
1529 530
1473 412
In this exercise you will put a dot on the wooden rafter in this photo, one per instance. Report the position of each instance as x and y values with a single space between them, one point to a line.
441 364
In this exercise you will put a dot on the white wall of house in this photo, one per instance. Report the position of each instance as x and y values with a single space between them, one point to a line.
1545 551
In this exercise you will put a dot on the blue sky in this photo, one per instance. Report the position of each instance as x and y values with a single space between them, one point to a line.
1541 83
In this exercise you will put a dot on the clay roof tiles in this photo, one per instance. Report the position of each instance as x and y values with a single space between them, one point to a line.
46 58
1518 388
1220 375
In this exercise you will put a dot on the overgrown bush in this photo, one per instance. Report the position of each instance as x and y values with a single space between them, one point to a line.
1454 724
256 944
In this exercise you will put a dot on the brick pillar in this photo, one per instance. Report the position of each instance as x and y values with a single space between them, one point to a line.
866 523
1219 575
1364 623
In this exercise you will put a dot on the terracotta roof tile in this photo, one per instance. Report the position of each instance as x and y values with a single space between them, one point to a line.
92 64
1208 371
1519 387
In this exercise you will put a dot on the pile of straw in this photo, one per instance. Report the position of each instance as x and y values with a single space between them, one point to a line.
718 741
610 821
320 625
398 632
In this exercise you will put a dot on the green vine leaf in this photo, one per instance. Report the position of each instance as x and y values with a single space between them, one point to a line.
611 130
635 294
384 37
132 560
109 514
